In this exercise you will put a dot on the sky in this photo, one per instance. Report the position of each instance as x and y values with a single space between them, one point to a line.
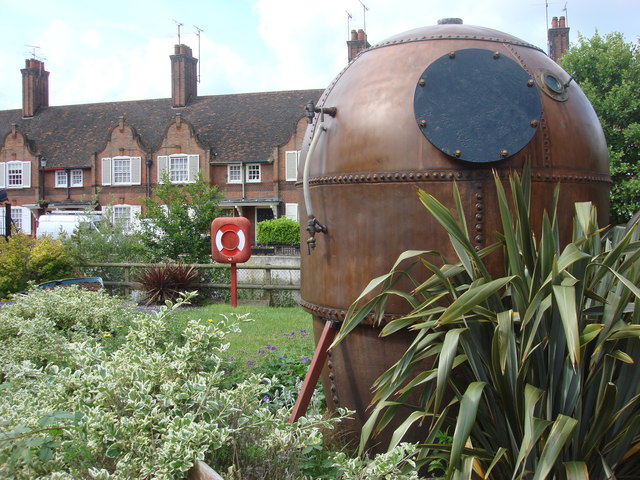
104 51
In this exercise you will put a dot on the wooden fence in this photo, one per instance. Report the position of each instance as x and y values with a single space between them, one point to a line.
269 282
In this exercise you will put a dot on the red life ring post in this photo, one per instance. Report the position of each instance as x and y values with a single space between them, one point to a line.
230 244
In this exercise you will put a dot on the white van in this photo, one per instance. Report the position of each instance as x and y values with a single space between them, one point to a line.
53 224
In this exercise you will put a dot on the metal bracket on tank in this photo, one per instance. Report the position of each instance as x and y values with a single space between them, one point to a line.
313 226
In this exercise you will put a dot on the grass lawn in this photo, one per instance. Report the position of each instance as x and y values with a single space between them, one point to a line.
270 326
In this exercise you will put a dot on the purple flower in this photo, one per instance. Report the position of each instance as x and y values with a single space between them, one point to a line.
305 359
272 348
265 382
261 352
265 399
249 363
303 332
280 357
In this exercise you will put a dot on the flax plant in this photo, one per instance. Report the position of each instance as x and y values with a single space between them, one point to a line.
534 370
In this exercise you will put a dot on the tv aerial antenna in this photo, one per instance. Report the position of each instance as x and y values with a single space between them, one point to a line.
179 25
349 17
364 16
33 52
198 32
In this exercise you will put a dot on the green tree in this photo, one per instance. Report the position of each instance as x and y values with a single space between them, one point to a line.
608 71
177 220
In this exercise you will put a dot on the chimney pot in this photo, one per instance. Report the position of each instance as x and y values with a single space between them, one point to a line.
554 22
354 35
360 34
562 22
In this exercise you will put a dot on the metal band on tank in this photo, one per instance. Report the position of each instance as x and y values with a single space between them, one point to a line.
451 37
417 176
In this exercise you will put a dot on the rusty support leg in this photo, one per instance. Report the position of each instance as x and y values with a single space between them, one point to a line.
311 379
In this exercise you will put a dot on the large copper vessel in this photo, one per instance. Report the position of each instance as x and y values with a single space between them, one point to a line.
420 110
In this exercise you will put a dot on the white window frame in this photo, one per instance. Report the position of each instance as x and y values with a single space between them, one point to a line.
129 221
249 173
21 218
61 179
291 159
133 172
76 178
233 169
166 164
24 174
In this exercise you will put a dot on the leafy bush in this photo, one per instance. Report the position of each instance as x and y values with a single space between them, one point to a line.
148 410
540 364
281 230
166 282
24 259
38 328
104 241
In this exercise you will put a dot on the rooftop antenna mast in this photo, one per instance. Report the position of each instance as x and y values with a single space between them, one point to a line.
566 13
199 31
349 17
364 16
33 51
179 25
546 25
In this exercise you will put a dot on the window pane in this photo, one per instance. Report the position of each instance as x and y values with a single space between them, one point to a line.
121 170
253 173
76 178
16 217
122 217
61 178
14 174
179 169
235 173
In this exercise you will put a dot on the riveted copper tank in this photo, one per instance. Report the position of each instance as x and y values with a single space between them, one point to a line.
420 110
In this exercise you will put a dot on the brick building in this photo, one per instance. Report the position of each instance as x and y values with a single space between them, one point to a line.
69 157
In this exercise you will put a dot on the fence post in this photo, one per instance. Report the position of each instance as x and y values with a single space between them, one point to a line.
267 281
126 279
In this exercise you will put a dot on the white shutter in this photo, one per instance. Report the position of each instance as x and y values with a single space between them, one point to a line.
26 174
194 167
291 211
3 175
136 177
26 220
2 217
106 171
163 166
135 211
291 162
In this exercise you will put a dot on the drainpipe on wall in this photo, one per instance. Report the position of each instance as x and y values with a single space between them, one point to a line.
148 163
68 173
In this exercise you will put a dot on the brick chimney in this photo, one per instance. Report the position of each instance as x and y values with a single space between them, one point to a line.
558 36
35 87
357 43
184 76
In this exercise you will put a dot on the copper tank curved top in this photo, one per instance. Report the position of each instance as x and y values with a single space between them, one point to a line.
420 110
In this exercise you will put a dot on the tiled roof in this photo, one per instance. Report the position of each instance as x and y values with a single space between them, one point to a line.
237 127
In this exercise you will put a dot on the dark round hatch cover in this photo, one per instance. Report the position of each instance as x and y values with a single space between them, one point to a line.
477 105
